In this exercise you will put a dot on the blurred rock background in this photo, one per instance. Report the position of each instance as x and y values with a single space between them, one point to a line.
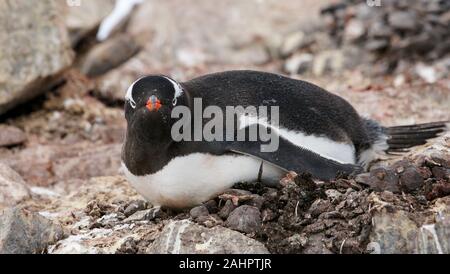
62 125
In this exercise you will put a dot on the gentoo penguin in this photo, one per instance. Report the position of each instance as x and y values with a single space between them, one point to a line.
319 133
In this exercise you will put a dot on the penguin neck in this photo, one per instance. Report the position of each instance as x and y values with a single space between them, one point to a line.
143 154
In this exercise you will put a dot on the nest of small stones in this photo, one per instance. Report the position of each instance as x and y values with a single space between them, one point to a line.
300 215
304 216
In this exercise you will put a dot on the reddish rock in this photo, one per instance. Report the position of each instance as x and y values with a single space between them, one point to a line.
411 179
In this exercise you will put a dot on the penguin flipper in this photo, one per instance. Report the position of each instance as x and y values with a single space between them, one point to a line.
290 157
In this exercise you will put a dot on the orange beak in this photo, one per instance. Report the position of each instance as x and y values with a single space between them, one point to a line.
153 104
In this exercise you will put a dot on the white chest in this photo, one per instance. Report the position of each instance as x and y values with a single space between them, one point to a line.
190 180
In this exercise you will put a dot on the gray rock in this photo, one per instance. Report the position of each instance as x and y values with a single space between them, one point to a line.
109 54
403 20
24 232
396 231
199 211
35 49
441 158
389 233
144 215
379 30
13 188
226 209
245 219
185 237
11 136
107 221
134 206
365 12
377 44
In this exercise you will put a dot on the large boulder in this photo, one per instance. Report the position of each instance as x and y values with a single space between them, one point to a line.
35 48
397 231
24 232
185 237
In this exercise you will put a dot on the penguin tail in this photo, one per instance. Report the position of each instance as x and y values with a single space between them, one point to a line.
401 138
396 140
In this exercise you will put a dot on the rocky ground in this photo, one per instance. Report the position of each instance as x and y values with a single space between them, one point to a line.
61 189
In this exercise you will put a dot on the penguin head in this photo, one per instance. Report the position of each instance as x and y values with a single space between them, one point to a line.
149 102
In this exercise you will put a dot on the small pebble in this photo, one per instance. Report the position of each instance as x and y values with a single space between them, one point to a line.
411 179
226 209
11 136
145 215
199 211
211 205
134 206
245 219
440 173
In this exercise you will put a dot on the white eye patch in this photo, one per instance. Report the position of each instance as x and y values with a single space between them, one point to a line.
129 95
177 87
178 90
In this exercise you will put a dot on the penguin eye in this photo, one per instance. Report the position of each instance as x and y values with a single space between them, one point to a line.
174 101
